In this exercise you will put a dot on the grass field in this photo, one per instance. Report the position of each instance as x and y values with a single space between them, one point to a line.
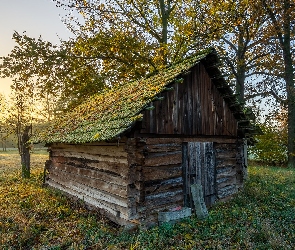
33 217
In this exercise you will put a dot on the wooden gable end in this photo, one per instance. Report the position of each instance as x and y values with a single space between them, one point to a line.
193 107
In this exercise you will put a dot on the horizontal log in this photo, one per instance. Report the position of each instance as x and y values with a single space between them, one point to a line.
226 155
225 146
221 140
156 148
226 181
119 168
113 150
224 172
161 172
111 200
170 158
99 194
64 177
110 177
223 163
109 208
163 195
135 142
152 187
88 156
59 159
99 143
159 200
155 210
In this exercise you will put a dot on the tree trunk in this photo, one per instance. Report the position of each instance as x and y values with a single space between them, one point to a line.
291 124
24 151
283 34
3 141
289 78
165 12
241 67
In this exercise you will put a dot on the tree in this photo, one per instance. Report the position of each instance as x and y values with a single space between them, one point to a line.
261 46
44 80
118 41
21 114
282 31
136 37
60 74
26 106
271 147
3 127
243 49
30 100
20 118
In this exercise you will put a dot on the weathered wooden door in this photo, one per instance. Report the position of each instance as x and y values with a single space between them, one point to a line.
198 162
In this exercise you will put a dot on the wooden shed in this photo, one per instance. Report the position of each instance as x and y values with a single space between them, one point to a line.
134 150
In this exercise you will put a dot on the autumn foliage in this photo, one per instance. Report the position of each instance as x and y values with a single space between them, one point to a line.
271 147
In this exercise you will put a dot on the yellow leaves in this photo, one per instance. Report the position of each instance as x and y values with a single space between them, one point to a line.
134 246
114 49
137 117
96 136
188 236
82 13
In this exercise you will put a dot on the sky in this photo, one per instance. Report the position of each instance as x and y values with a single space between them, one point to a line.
36 17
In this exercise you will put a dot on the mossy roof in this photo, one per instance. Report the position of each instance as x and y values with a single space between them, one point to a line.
110 113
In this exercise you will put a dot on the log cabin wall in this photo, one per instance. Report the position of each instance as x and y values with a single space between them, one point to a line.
242 162
230 169
194 107
160 178
98 174
133 181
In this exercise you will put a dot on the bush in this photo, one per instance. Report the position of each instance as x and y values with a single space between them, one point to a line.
271 147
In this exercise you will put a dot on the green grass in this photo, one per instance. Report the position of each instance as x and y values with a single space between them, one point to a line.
262 216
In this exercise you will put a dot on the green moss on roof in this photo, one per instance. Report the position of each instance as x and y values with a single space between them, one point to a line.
111 112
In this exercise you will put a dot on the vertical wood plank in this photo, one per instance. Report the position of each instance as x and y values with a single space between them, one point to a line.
175 104
210 173
180 113
199 167
185 175
199 162
184 112
194 107
189 105
194 96
199 110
